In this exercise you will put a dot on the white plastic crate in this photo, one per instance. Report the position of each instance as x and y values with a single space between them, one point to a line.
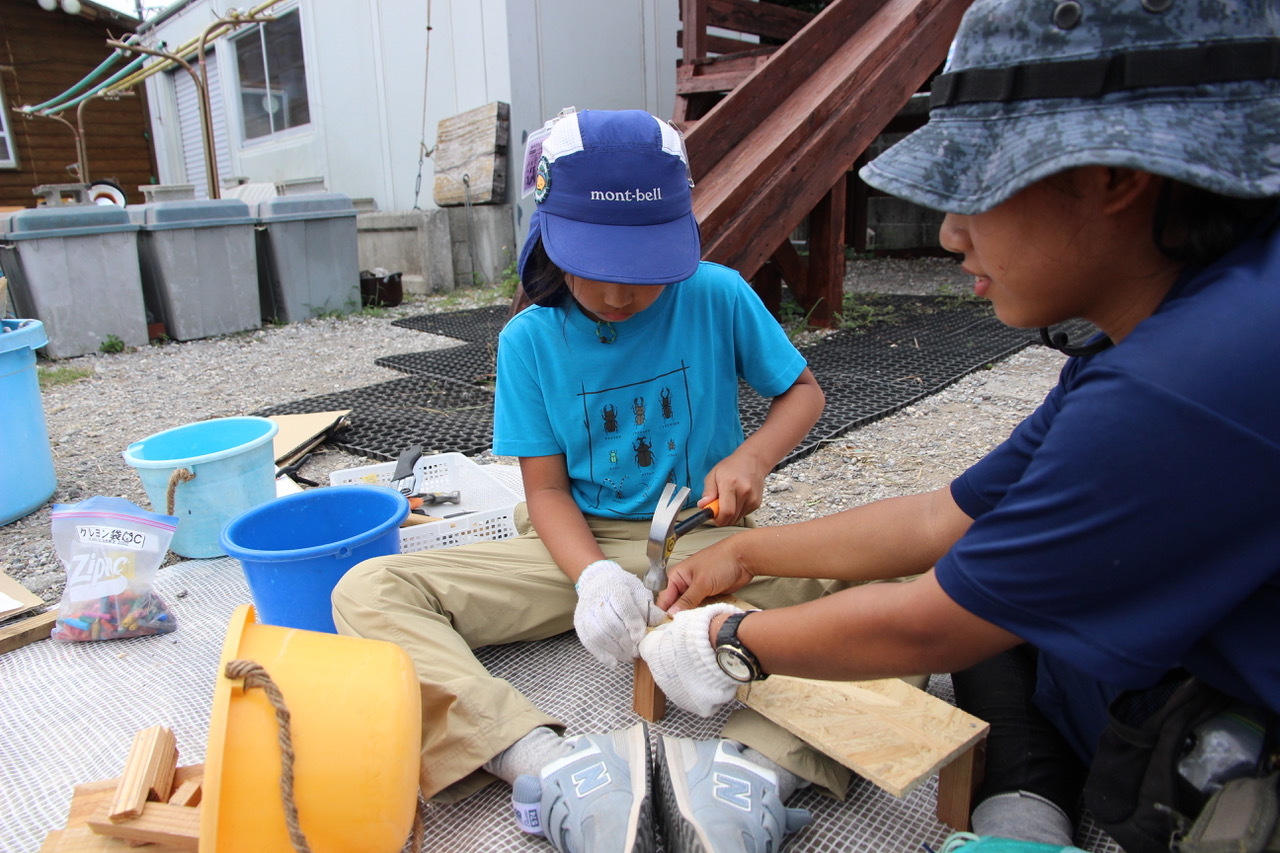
486 510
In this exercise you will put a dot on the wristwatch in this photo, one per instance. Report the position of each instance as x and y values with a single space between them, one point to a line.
734 658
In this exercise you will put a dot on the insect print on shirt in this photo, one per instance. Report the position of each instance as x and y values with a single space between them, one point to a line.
637 409
610 415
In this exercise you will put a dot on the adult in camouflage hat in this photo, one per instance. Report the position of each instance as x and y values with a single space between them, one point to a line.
1116 161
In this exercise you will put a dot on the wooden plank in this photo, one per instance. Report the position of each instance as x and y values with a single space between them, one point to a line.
885 730
148 773
189 793
160 823
761 19
471 156
647 698
749 204
957 783
822 297
27 631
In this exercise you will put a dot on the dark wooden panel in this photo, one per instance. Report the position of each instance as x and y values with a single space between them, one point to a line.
47 53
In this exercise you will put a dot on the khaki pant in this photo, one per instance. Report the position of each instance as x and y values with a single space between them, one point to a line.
439 605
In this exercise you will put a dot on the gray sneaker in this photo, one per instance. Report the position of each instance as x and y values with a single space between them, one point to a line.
715 801
596 799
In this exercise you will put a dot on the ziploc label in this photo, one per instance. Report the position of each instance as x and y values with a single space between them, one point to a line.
99 534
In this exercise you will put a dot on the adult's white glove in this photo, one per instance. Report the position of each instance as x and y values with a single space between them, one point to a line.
614 610
683 663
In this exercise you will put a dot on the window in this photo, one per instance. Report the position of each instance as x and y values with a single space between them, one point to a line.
272 77
8 155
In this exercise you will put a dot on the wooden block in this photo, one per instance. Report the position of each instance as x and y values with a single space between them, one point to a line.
27 631
957 782
148 773
177 827
647 698
81 840
472 144
187 794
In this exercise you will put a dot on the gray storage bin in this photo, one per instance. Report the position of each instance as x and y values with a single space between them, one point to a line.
75 269
308 264
199 266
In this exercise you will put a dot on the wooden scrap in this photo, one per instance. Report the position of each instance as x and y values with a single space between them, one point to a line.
148 773
27 631
473 145
298 435
159 823
188 793
647 698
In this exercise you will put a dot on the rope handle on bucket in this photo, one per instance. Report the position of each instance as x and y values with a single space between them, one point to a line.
179 475
252 674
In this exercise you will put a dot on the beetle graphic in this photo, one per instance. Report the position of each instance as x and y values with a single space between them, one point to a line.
637 407
610 415
667 412
644 452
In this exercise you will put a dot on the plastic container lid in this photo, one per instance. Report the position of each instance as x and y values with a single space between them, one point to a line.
198 213
69 220
305 206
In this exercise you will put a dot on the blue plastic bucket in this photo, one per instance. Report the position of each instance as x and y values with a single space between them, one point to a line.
26 477
219 469
296 548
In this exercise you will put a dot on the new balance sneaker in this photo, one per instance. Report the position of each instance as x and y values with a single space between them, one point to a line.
596 799
713 800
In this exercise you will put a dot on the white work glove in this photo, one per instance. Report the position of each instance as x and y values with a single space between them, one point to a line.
614 610
683 662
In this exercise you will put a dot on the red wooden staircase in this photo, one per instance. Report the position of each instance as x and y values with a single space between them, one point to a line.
773 131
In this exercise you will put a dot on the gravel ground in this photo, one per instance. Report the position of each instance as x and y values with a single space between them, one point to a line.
124 397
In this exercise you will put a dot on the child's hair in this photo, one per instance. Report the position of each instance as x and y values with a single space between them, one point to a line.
543 282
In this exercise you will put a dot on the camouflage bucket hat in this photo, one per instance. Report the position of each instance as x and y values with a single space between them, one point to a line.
1188 89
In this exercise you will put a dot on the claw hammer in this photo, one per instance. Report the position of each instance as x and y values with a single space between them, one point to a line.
664 530
647 699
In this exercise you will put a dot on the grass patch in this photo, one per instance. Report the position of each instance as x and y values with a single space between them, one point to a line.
50 377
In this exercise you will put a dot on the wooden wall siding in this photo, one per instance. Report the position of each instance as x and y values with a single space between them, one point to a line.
42 54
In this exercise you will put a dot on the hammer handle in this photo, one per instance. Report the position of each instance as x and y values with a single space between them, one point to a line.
707 513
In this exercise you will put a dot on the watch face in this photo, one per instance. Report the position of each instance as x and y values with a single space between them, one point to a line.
732 663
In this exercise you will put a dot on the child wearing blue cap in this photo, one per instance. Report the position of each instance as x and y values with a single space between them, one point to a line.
1118 161
622 377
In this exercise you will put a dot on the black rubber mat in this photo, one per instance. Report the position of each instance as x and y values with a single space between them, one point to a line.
904 349
477 324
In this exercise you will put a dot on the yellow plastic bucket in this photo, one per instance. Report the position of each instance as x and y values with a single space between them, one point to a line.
356 726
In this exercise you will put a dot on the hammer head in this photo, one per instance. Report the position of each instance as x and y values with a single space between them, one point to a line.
662 536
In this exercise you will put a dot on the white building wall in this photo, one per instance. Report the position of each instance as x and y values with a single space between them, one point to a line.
369 60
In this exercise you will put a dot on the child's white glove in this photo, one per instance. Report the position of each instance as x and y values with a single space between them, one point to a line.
614 610
684 664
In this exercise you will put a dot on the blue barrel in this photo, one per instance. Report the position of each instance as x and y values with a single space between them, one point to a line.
295 549
217 468
27 479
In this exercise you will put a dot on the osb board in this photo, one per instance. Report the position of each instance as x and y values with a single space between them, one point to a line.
472 144
887 731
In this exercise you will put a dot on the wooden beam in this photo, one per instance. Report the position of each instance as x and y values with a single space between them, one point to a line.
27 631
693 41
760 19
160 823
767 283
768 183
647 698
148 773
794 271
823 295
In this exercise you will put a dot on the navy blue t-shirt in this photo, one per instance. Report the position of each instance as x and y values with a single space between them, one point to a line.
1131 525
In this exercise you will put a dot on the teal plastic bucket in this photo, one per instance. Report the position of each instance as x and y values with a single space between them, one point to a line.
27 479
219 468
296 548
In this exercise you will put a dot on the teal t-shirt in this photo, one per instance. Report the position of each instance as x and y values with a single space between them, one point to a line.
656 404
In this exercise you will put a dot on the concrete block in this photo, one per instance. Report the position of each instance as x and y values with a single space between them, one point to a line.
483 243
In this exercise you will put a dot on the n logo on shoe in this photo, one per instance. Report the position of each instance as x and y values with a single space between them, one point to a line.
732 791
590 778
